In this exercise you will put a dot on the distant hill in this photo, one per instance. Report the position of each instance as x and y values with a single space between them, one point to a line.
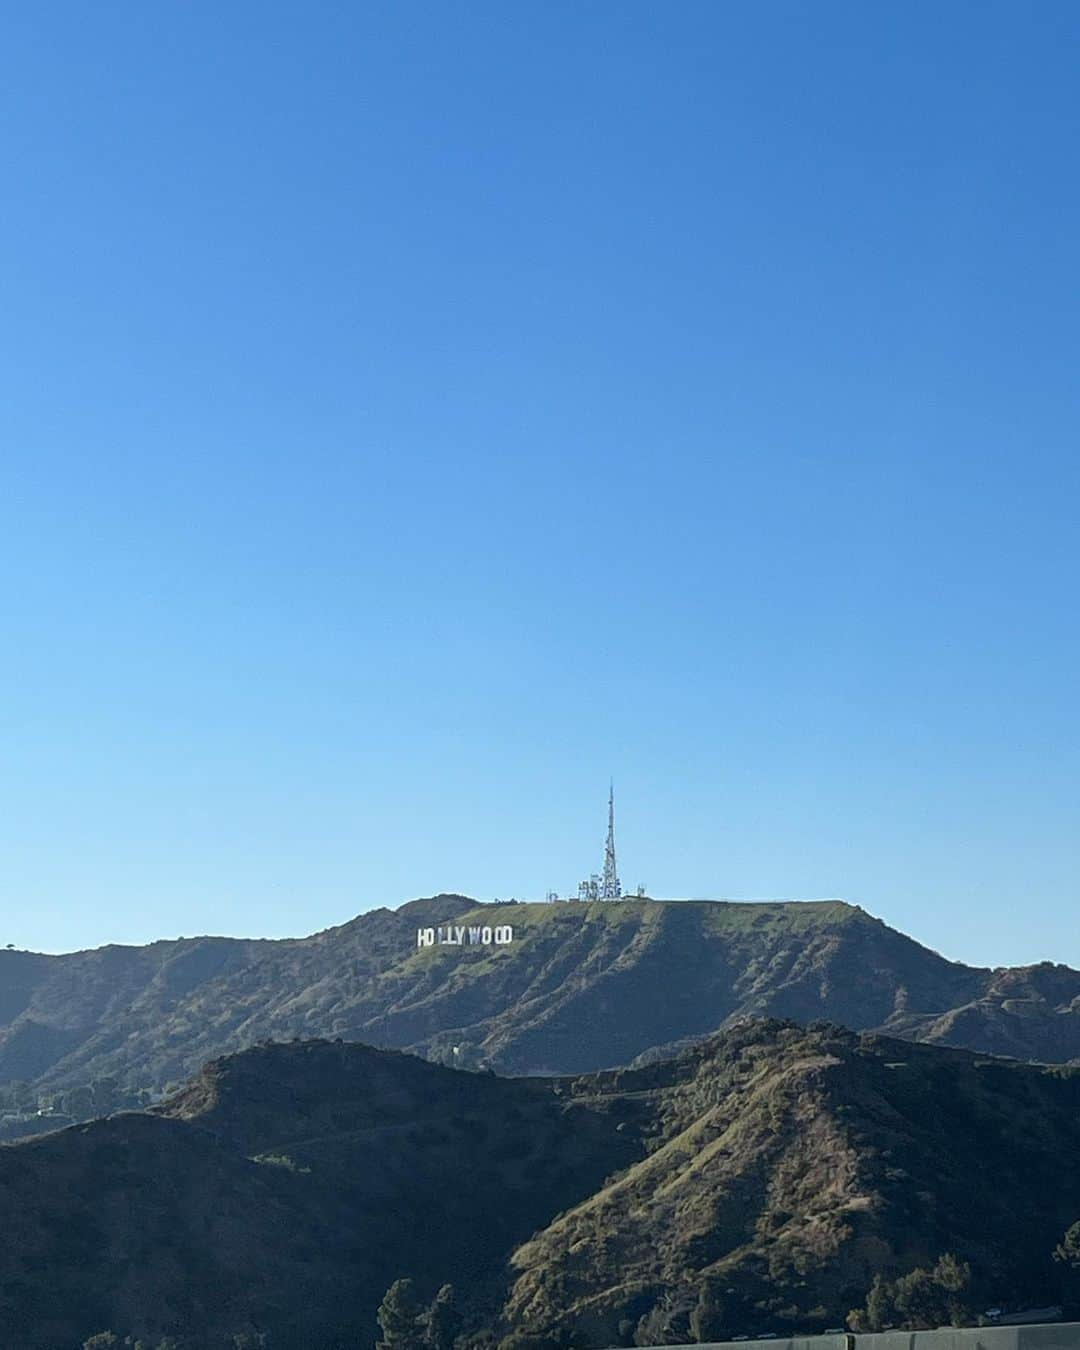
779 1168
582 987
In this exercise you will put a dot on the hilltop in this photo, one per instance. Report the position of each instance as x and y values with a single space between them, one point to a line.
768 1174
582 987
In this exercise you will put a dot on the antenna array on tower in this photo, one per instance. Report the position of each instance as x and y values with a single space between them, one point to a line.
606 884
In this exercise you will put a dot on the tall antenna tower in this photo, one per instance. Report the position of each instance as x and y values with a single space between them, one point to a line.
610 886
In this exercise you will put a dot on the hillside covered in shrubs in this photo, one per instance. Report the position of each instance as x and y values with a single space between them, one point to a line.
771 1178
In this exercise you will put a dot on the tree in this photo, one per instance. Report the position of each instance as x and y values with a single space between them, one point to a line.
103 1340
918 1299
669 1321
1067 1254
399 1318
952 1274
442 1321
707 1317
1068 1249
880 1305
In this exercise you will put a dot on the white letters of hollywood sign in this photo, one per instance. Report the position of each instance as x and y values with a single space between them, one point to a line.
451 936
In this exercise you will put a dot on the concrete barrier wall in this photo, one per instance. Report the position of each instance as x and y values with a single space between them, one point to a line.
1044 1336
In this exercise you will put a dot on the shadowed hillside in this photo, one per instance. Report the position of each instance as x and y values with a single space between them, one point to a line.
283 1191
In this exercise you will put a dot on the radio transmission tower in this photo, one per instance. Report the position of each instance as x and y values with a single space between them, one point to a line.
610 886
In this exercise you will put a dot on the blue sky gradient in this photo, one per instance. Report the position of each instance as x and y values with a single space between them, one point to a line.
412 414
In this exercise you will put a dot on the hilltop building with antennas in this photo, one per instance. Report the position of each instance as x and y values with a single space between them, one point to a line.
604 885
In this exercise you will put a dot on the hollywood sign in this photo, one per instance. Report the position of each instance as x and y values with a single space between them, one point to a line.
456 936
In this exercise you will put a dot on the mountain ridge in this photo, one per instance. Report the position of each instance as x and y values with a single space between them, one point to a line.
583 986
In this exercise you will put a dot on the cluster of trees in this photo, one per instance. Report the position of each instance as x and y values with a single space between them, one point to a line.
922 1298
406 1324
943 1296
1068 1249
1067 1254
109 1340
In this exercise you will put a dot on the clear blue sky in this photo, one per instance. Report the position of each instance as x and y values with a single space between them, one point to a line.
412 414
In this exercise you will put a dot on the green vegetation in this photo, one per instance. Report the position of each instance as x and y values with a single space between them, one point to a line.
406 1325
1067 1256
442 1321
399 1318
918 1300
772 1178
1068 1249
788 1168
583 987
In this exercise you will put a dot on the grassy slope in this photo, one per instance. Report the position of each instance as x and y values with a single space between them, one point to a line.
581 987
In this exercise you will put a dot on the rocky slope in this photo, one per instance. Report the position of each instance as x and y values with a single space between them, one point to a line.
582 987
778 1167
